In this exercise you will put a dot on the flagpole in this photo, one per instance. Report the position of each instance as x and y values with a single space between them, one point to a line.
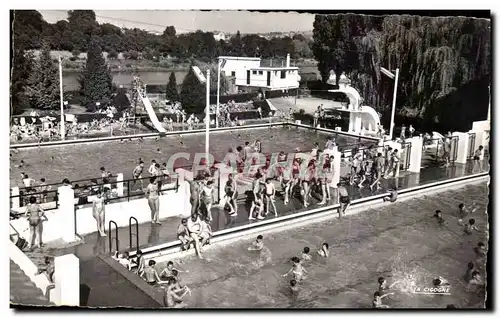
61 95
218 94
207 119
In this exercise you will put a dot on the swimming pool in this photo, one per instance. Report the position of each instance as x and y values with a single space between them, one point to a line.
82 161
396 241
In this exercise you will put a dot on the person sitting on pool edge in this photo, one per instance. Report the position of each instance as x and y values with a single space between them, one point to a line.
139 262
194 228
393 195
183 235
206 231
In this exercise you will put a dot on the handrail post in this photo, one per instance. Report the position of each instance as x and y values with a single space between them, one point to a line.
110 236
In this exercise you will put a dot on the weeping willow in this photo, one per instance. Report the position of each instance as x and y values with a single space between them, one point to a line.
436 57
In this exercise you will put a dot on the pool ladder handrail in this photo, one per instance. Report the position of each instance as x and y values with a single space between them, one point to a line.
130 234
110 236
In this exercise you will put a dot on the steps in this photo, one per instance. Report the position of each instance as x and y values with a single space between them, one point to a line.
23 291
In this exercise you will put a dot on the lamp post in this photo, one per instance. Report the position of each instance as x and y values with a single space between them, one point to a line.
395 77
207 119
218 94
61 95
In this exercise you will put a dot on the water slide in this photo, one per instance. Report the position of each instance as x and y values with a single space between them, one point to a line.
149 109
201 77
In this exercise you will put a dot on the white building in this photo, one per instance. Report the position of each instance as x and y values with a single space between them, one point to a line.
219 36
248 73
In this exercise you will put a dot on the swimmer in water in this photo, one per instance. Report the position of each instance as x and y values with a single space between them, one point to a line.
298 271
150 275
480 250
294 288
305 254
469 226
463 211
257 245
469 271
382 285
439 218
158 150
440 282
476 281
172 299
323 251
377 300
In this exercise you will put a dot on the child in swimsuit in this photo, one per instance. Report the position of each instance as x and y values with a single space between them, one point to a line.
323 251
305 254
294 288
439 217
377 300
298 271
469 226
257 245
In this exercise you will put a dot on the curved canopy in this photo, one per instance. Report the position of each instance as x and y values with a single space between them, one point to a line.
351 93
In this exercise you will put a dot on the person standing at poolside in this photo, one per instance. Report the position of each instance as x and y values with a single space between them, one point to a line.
377 166
152 194
98 212
207 196
344 199
152 167
36 216
194 188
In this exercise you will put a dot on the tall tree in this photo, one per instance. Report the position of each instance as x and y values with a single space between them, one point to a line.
83 25
121 101
171 92
97 81
192 95
20 70
43 82
236 44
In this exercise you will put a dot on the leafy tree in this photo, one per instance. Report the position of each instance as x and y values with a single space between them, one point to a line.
112 54
21 68
76 53
83 25
236 44
121 101
42 87
27 28
192 96
171 92
97 81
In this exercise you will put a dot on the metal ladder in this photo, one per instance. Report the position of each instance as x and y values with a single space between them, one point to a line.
130 225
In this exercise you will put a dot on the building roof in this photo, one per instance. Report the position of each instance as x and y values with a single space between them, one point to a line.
277 68
239 58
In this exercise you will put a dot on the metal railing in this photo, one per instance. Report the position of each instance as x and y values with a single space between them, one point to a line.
130 234
49 200
110 236
471 145
81 182
405 155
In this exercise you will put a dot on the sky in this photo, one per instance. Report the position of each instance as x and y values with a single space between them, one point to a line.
187 21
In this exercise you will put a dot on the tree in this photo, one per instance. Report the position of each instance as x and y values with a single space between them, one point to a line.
171 92
112 54
42 87
192 95
83 25
236 45
21 68
97 81
27 28
121 101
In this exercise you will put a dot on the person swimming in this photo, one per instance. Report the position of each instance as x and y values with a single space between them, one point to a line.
305 254
469 226
439 217
298 271
294 288
257 245
377 300
323 251
382 285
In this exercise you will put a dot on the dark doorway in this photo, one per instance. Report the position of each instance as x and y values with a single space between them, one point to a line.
268 78
248 77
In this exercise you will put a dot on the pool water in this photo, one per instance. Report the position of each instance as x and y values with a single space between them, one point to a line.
82 161
397 241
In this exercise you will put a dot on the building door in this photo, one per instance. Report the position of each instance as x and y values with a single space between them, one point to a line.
268 78
248 77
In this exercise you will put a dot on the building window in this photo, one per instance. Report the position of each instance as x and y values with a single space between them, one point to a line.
283 74
254 72
260 72
233 73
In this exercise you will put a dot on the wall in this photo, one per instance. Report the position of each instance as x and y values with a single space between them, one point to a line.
238 65
260 80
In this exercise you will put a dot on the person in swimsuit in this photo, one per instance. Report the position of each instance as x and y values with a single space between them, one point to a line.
377 166
228 204
475 281
439 217
206 231
159 177
137 174
382 285
469 226
152 194
294 288
99 212
124 260
257 146
306 183
344 199
323 181
298 271
305 254
356 162
270 194
150 275
48 268
194 187
171 298
43 188
140 262
323 251
194 228
377 300
463 211
478 155
207 197
36 217
258 244
152 168
256 198
393 195
231 187
481 250
183 235
469 271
